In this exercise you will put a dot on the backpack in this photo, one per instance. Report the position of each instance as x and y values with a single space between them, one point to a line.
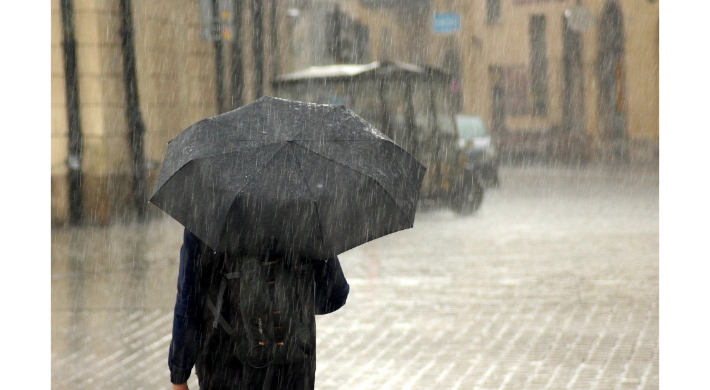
263 304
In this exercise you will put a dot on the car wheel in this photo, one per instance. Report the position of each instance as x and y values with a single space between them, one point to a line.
470 199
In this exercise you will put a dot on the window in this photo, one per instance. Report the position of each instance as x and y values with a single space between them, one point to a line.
347 39
538 65
515 90
496 77
492 11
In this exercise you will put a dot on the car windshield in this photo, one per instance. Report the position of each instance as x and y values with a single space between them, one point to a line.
471 127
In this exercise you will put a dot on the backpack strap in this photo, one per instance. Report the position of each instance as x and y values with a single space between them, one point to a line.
217 309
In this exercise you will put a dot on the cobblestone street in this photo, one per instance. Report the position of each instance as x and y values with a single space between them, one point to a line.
552 284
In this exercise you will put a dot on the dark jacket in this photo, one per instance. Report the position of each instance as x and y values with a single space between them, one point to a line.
331 291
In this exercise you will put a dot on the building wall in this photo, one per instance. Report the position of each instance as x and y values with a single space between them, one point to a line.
642 72
175 84
389 33
507 43
59 124
176 74
104 157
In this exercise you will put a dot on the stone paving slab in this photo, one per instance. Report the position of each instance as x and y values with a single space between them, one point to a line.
553 284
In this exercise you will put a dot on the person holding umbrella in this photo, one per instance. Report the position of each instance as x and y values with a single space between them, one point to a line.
187 346
270 194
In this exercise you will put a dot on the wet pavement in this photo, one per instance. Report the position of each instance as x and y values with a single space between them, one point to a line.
553 284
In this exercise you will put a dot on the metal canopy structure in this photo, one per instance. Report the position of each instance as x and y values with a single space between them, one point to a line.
350 71
410 104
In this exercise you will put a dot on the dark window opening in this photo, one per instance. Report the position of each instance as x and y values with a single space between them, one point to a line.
348 39
538 65
495 75
492 11
515 87
573 80
510 93
611 75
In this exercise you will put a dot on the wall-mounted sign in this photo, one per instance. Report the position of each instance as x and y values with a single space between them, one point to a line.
216 27
446 23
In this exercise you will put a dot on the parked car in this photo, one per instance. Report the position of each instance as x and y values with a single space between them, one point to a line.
476 142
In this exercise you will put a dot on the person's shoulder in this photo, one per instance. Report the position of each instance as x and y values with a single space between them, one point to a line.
190 240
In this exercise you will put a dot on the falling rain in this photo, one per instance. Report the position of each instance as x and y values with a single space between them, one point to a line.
532 261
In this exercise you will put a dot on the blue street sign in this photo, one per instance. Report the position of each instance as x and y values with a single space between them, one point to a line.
446 23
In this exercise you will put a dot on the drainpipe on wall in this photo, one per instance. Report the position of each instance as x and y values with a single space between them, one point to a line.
136 128
72 100
237 70
258 48
273 42
219 65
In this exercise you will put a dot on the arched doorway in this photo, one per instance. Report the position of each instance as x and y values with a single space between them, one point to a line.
611 73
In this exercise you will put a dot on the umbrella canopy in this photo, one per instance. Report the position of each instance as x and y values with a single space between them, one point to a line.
286 175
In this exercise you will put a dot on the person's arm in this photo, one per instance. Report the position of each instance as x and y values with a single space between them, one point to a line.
183 346
331 287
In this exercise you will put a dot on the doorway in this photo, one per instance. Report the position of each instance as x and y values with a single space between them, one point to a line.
611 73
495 76
573 87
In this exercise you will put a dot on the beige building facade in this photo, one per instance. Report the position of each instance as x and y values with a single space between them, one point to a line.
176 72
176 75
171 97
539 89
566 78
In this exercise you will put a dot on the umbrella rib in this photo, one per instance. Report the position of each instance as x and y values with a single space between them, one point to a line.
235 150
226 124
222 224
294 136
194 160
262 167
236 127
362 173
214 155
304 129
313 198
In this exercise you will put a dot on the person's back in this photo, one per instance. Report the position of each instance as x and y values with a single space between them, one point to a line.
248 322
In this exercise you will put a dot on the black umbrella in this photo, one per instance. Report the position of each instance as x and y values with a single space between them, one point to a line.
313 178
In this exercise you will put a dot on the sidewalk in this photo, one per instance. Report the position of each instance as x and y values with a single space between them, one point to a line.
553 284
